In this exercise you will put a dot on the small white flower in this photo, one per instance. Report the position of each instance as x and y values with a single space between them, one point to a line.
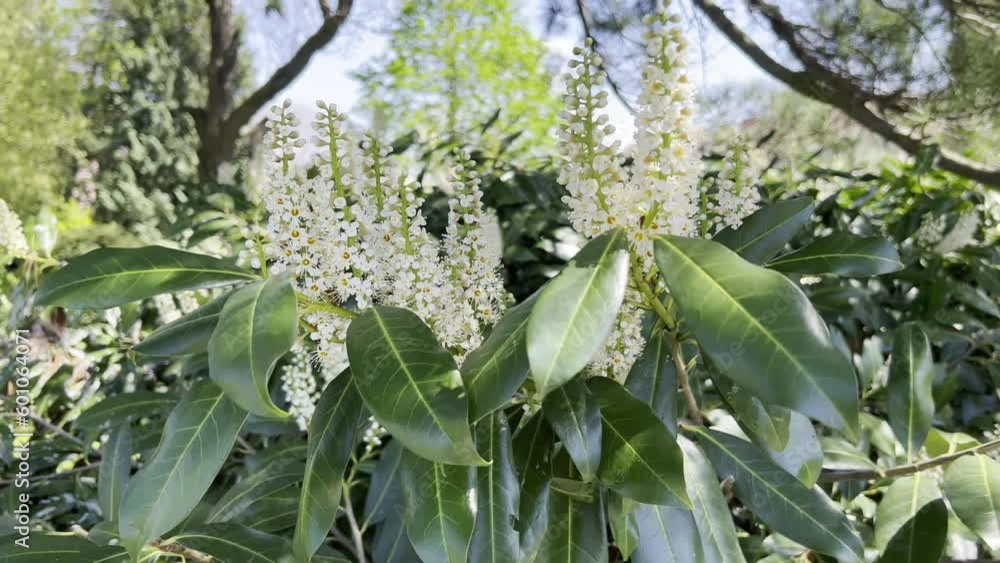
13 243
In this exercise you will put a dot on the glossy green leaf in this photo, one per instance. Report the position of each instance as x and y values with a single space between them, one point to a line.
333 433
780 500
640 459
922 539
760 330
439 511
841 455
900 504
385 492
116 466
940 442
764 233
842 254
187 335
574 413
115 410
197 438
233 543
411 385
768 423
494 539
576 311
910 401
533 446
653 380
392 545
623 522
276 512
256 485
258 325
52 548
108 277
709 510
972 485
802 456
494 371
668 534
575 531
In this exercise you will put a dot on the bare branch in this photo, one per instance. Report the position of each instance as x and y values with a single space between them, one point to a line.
333 20
863 475
820 84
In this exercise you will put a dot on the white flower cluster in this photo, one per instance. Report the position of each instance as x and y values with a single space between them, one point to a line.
373 434
961 235
662 193
353 233
299 383
931 234
736 196
13 243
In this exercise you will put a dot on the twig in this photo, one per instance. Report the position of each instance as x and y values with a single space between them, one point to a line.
50 476
682 379
42 422
902 470
326 307
359 543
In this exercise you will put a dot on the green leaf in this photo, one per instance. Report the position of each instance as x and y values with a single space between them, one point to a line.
576 311
274 513
187 335
940 442
910 402
842 254
411 385
116 466
760 330
258 326
391 542
624 523
197 438
922 539
256 485
640 458
533 446
385 493
494 539
764 233
573 412
117 409
653 380
333 433
494 371
803 455
710 510
839 454
108 277
232 543
575 531
972 486
668 534
780 500
439 513
768 423
52 548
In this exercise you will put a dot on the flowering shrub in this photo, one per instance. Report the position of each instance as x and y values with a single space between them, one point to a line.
673 381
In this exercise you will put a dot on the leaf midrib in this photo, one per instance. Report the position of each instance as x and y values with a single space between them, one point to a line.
776 491
739 306
638 457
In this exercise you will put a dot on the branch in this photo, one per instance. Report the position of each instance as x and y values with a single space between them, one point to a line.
864 475
332 21
682 378
824 86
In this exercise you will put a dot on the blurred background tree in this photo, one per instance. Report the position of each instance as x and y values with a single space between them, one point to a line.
40 113
454 65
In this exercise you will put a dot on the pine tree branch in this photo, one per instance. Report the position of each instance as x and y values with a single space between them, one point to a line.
823 85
